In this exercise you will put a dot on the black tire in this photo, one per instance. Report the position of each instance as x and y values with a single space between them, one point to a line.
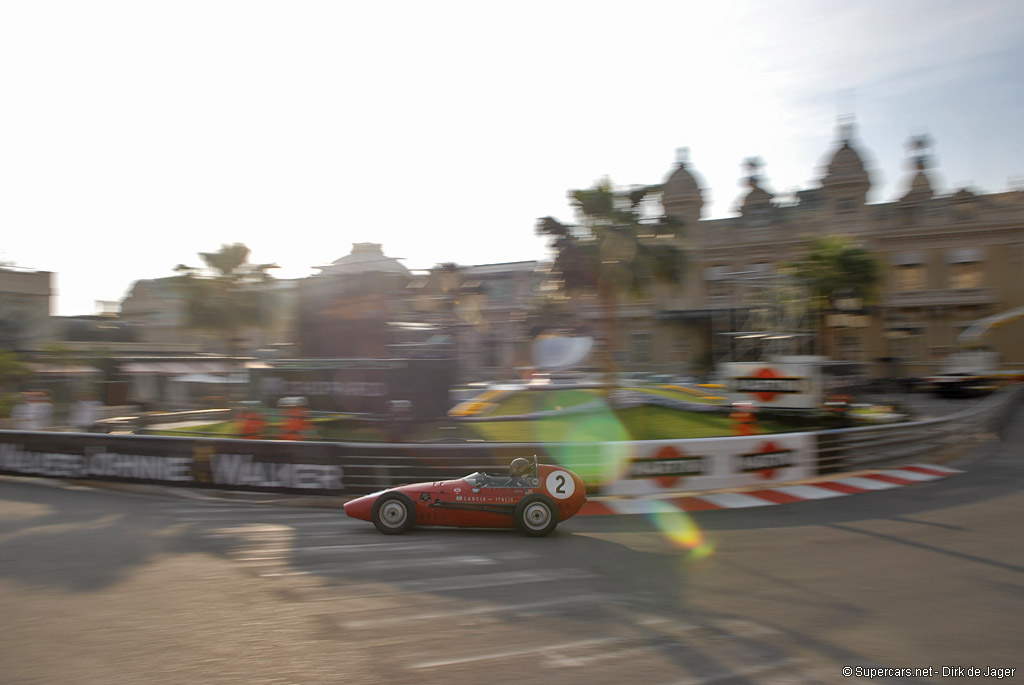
393 513
536 515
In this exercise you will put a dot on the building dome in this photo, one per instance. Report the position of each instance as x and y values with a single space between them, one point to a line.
846 163
364 258
682 196
682 183
920 188
758 204
846 182
921 159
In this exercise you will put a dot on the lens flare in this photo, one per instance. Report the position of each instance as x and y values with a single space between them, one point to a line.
676 525
594 444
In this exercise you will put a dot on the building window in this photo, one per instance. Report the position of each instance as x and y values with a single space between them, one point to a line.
965 267
965 275
498 290
642 345
851 347
910 277
718 289
715 281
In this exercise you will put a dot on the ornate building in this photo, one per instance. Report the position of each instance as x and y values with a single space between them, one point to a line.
345 310
947 260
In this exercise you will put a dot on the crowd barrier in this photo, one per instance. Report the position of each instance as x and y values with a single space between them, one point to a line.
619 468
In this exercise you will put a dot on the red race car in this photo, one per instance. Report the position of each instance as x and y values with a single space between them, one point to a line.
532 498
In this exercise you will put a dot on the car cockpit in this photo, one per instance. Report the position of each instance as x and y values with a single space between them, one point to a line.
522 473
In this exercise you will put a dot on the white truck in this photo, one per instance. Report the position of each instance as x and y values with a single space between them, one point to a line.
974 369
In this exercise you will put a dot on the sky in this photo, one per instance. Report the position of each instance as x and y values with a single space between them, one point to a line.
135 135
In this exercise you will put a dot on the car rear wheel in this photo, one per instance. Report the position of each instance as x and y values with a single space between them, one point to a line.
536 516
393 513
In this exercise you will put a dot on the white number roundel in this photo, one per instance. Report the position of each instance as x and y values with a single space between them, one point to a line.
560 484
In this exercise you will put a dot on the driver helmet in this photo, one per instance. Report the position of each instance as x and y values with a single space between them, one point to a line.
519 467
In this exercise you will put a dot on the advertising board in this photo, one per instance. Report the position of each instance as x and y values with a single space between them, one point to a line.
663 466
791 383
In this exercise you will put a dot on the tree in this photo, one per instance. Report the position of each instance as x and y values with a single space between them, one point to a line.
225 296
835 268
553 312
617 251
12 370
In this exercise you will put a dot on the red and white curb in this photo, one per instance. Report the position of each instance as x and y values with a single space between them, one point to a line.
783 494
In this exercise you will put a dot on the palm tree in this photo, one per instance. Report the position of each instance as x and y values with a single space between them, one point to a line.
616 251
12 372
835 268
224 297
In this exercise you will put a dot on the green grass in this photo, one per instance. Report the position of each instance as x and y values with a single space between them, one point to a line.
603 424
530 401
671 391
660 423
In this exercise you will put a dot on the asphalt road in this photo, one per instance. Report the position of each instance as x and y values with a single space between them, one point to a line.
100 586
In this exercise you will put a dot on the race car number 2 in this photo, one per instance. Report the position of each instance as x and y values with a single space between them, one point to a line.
560 484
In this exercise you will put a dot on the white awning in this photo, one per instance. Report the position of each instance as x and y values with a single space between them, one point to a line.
908 258
178 368
207 378
964 255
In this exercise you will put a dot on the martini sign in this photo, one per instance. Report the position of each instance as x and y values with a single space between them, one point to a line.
669 466
774 385
767 460
767 384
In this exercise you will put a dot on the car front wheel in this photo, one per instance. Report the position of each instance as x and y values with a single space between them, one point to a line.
536 516
393 513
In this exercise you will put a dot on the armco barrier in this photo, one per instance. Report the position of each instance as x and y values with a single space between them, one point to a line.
900 443
266 465
636 468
